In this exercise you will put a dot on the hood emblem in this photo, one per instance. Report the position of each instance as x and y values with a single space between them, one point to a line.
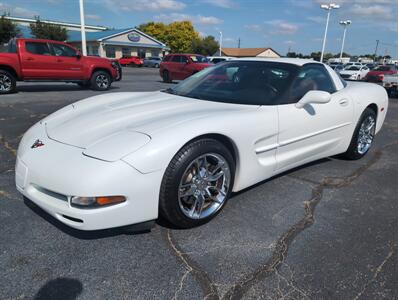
38 143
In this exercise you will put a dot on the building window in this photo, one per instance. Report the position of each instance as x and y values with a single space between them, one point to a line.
94 50
126 52
110 52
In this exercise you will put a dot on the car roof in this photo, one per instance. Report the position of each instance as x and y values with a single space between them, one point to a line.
293 61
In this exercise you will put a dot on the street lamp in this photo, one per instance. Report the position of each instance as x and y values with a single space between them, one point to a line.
83 28
344 24
328 7
220 43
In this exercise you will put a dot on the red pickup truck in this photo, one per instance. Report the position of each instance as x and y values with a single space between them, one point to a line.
46 60
131 61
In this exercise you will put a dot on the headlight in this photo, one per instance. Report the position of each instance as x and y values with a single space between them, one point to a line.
93 202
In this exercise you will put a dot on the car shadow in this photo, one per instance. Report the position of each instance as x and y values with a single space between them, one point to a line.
42 88
82 234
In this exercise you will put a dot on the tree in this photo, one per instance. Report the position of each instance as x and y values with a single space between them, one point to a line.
177 35
8 30
205 46
42 30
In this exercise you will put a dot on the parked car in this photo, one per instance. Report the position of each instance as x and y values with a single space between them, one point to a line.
390 83
377 74
371 66
179 153
218 59
352 63
181 66
152 62
47 60
354 72
336 66
132 61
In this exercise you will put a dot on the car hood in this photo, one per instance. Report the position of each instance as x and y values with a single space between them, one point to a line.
86 122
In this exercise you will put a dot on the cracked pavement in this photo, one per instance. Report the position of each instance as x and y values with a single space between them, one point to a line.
327 230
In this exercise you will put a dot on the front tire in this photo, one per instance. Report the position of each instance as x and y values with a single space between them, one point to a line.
197 183
166 76
100 81
8 83
363 136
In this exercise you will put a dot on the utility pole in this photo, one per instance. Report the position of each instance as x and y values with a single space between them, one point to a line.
238 42
220 43
83 28
377 46
345 24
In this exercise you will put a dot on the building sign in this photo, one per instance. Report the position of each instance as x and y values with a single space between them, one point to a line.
134 37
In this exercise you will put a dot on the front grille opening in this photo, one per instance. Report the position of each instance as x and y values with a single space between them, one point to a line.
73 219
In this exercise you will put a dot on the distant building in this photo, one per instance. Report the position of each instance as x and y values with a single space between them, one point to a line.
118 43
248 52
101 41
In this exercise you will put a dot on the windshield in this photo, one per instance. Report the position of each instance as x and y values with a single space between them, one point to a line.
382 68
239 82
353 68
199 59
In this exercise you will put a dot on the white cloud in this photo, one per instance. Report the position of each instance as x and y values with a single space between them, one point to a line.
93 17
374 11
317 19
254 27
16 11
195 19
282 27
221 3
145 5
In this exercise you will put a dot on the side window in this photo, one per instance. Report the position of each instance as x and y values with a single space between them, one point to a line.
176 58
311 77
167 58
63 50
184 59
37 48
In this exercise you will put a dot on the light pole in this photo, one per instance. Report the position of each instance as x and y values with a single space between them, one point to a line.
220 43
83 28
344 24
328 7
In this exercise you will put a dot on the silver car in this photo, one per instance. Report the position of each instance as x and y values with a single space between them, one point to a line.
153 62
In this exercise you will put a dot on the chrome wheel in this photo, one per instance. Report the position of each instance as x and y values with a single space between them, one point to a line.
5 83
204 186
366 134
102 81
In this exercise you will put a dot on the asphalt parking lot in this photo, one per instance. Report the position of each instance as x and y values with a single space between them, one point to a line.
327 230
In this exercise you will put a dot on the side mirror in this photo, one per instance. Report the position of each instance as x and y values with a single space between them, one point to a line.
314 97
78 55
187 62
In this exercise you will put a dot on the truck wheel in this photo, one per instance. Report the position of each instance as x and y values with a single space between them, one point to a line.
8 83
100 81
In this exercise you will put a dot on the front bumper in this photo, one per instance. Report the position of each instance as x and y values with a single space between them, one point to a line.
51 174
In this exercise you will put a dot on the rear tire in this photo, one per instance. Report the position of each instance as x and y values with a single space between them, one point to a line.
100 81
166 76
156 65
363 136
8 82
197 183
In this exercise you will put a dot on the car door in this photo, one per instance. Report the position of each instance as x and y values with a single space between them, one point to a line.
37 61
68 63
316 130
175 67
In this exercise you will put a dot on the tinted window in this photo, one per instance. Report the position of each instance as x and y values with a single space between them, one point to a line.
167 58
63 50
383 68
176 58
184 59
311 77
37 48
240 82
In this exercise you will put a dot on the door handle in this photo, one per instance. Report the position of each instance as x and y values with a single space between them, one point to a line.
343 102
30 58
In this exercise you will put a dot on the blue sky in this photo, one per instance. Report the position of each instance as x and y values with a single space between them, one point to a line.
280 24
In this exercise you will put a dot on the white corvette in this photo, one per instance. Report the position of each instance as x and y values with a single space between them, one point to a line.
127 158
354 72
